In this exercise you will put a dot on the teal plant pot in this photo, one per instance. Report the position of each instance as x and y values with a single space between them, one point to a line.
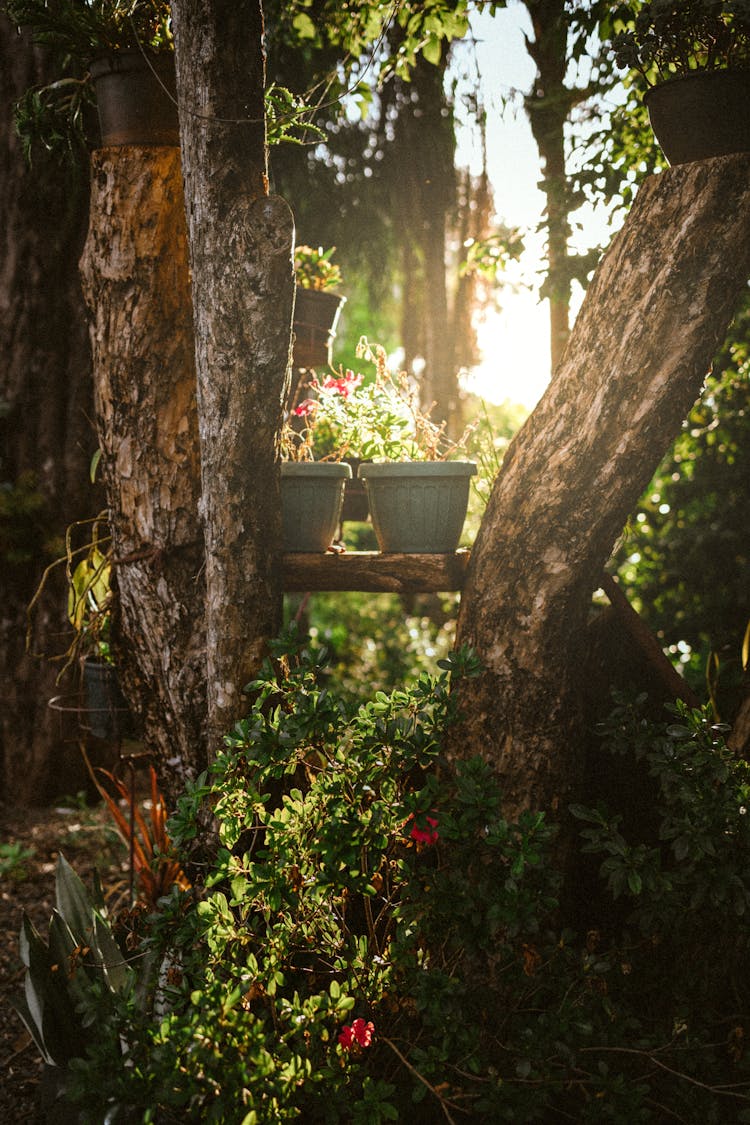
418 507
312 493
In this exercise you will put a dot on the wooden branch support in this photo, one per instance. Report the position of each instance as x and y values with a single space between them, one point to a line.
642 635
373 572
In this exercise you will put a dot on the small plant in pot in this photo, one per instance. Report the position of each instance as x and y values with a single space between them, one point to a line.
317 305
694 57
312 490
101 708
104 713
116 55
417 493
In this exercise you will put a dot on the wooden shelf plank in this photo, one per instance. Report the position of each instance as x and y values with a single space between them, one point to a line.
372 572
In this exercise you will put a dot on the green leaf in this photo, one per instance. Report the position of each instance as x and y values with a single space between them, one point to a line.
94 465
432 50
74 903
635 883
304 26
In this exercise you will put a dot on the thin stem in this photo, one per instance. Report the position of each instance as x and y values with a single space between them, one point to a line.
444 1104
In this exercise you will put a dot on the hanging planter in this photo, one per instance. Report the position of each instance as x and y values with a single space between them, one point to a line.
695 57
701 115
312 493
418 507
117 54
316 316
106 714
136 97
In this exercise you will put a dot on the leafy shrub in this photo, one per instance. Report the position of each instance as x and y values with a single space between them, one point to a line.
376 942
688 886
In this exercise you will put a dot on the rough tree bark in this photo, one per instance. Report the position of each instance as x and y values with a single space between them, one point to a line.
659 305
46 434
135 278
241 242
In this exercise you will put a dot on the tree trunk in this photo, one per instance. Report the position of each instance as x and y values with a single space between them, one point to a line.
548 106
659 305
135 276
46 434
243 292
423 196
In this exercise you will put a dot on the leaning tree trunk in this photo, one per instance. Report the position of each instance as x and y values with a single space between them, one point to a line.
658 307
46 435
136 283
243 291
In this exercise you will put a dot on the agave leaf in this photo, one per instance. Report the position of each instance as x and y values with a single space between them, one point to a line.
116 970
33 1028
50 1005
29 940
73 903
34 956
65 952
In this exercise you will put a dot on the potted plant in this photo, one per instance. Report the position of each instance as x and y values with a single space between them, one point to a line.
312 490
695 59
104 713
317 306
417 495
117 55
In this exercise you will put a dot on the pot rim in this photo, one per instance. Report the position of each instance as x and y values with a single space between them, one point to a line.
719 74
316 469
416 469
127 59
320 295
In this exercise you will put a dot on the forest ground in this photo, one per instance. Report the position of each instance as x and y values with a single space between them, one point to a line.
84 834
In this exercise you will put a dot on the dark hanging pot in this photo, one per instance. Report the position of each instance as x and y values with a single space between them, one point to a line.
312 493
316 315
701 115
418 507
106 714
136 95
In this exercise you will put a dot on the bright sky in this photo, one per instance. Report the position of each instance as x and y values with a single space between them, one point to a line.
515 341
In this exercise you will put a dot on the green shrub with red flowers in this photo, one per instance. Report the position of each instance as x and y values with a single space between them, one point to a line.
375 942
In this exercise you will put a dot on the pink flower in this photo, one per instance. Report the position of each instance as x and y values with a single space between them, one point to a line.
359 1034
343 386
428 835
349 383
305 408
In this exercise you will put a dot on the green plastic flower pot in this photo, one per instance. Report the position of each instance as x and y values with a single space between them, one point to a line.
418 507
312 493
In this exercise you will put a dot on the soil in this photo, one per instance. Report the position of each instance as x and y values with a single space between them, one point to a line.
30 841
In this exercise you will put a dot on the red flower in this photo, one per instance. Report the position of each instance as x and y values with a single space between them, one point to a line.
343 386
305 408
428 835
359 1034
